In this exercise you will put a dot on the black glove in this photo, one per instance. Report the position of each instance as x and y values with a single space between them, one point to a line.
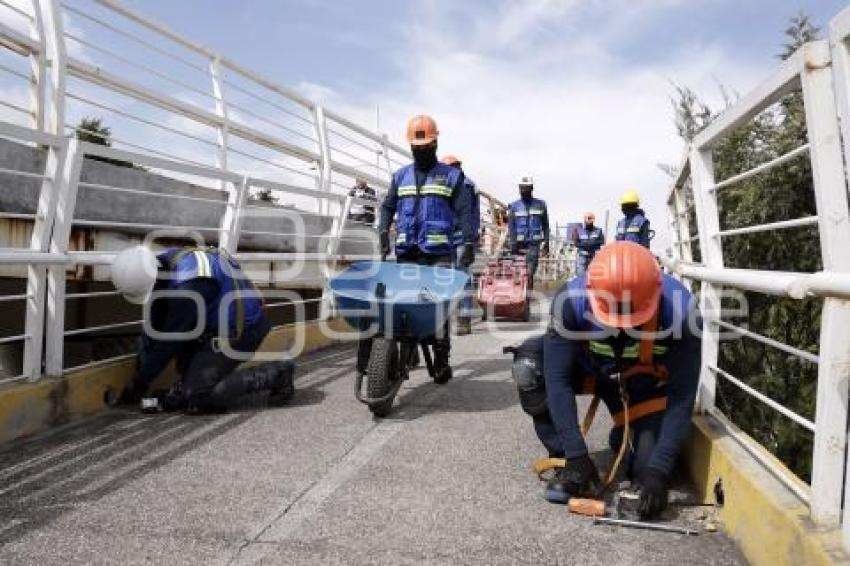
579 477
514 249
468 254
384 238
653 493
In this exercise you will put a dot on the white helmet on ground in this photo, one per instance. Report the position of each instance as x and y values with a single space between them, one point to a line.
526 181
134 273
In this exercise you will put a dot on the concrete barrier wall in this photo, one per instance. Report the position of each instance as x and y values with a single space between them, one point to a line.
768 520
301 229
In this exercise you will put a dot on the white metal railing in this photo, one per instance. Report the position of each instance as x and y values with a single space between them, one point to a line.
184 111
820 71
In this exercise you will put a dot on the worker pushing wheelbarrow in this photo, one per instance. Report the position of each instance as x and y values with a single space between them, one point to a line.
400 309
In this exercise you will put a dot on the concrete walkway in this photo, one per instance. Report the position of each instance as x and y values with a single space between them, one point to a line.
445 480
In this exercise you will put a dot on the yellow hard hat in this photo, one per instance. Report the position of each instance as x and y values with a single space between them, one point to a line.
631 197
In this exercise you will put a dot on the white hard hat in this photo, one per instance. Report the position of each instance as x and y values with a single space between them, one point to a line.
526 181
134 273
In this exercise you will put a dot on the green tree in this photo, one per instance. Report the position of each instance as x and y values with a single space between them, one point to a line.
94 131
799 31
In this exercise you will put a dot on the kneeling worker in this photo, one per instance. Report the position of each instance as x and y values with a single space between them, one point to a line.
192 281
627 334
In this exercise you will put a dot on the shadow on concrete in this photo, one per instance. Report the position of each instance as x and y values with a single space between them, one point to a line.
466 393
46 476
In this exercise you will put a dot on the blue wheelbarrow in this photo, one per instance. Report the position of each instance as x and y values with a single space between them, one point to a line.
402 307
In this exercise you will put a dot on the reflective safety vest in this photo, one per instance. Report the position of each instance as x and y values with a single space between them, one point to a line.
631 229
424 214
244 303
475 211
589 241
640 364
527 220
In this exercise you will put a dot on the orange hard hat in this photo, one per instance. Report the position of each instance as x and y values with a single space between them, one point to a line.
624 285
589 217
452 160
422 130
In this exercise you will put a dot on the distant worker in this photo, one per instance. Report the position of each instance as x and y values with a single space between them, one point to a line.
528 227
360 211
185 285
588 239
634 226
464 321
427 201
602 340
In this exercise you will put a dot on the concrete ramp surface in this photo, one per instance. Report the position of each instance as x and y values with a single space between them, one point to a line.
445 480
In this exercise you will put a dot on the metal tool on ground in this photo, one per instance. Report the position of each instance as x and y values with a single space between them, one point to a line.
644 525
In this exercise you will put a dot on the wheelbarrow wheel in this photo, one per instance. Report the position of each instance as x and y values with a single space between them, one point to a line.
381 375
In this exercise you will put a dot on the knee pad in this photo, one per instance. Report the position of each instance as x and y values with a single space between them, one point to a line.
533 401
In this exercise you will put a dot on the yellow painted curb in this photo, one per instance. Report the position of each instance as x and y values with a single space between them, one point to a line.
26 408
766 519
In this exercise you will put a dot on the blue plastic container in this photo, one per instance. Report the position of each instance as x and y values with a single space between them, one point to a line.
406 299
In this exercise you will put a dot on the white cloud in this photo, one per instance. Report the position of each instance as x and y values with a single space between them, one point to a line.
514 95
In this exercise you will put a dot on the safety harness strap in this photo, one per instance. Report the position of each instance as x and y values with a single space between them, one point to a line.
646 353
645 365
640 410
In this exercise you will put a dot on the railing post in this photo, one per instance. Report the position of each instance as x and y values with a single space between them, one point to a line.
53 113
54 45
66 203
840 52
38 68
231 223
221 111
708 222
684 225
324 178
834 227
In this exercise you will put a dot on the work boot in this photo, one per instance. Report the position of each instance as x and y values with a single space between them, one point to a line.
281 385
464 326
442 369
578 479
173 399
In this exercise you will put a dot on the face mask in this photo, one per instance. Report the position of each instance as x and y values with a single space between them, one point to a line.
525 193
588 225
425 156
629 209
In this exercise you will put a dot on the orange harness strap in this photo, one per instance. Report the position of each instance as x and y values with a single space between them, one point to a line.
640 410
646 365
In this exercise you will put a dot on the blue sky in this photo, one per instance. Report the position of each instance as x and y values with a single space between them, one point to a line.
574 92
352 46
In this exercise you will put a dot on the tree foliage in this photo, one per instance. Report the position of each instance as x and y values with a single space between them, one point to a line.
94 131
783 193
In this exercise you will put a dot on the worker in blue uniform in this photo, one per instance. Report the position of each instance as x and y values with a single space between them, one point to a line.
588 240
630 336
464 320
205 314
427 201
634 226
528 227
